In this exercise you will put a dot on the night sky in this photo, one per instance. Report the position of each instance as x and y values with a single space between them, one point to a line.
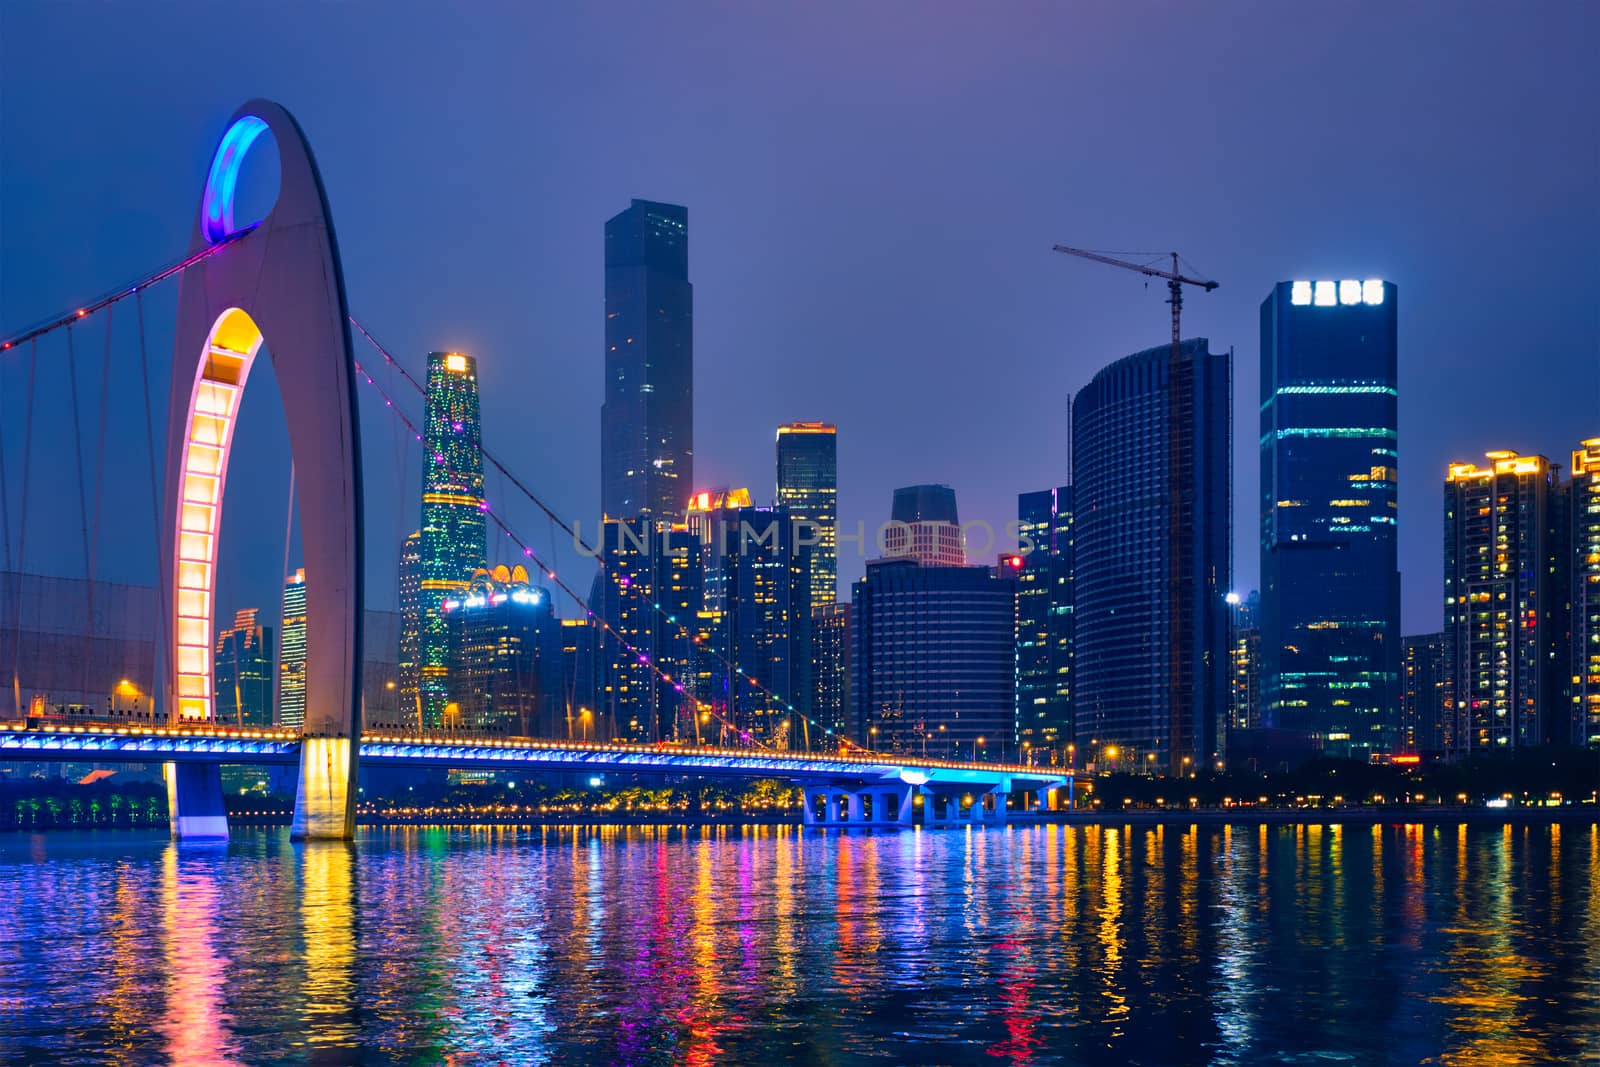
873 191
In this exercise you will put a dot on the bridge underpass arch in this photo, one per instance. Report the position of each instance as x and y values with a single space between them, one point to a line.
282 284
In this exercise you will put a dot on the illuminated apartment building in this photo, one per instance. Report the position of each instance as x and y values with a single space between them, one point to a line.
1506 572
1584 503
808 485
292 653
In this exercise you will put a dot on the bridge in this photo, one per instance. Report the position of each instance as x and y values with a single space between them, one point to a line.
838 790
280 277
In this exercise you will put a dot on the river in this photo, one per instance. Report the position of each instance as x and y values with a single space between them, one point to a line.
1175 944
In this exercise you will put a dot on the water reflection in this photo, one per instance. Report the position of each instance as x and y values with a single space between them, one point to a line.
1028 945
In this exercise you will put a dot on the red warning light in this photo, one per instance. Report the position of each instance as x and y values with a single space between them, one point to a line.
1015 561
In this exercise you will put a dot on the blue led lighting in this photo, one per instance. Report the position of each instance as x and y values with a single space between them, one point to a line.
216 208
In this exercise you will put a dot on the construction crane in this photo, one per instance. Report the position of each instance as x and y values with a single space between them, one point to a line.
1175 281
1179 509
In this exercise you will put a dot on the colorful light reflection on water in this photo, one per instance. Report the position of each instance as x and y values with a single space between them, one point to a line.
1031 945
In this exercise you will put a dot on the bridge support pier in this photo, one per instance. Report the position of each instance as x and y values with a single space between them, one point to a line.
194 800
324 801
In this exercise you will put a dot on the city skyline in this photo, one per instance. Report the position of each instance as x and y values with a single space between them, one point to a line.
1063 320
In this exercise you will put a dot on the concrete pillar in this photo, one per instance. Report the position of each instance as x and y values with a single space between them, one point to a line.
1000 802
907 806
857 807
325 801
808 806
194 800
1042 798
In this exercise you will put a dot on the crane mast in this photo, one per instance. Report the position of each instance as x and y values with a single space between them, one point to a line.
1179 478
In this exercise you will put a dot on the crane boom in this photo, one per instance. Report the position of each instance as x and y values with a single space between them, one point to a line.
1153 272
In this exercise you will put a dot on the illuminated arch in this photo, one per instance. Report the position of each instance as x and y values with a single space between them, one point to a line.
281 281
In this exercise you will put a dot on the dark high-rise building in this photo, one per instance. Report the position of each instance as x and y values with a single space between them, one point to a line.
932 660
452 542
924 527
808 485
1507 644
650 587
578 689
1584 504
1044 623
1244 651
410 664
764 632
505 657
1422 688
1330 598
830 673
292 653
243 672
1151 482
647 419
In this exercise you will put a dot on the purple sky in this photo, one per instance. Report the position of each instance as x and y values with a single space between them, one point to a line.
873 191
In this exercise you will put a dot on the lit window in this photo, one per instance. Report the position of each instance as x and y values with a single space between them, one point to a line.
1326 294
1372 291
1349 292
1300 294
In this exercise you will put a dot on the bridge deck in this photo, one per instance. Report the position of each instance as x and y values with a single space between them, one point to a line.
96 743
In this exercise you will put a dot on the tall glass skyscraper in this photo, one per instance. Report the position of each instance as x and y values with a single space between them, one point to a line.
452 544
1330 597
647 418
292 653
1150 651
244 672
1044 624
808 485
409 705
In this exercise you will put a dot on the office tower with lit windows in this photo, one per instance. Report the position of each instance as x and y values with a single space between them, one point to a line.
650 586
830 672
647 418
932 669
1244 661
1507 649
1422 689
244 682
1152 491
1330 597
763 639
924 527
451 546
292 653
808 485
505 657
1584 505
1044 623
410 658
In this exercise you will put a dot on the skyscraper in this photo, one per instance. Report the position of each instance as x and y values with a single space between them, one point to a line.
244 672
931 660
1507 651
452 544
808 485
830 673
505 656
1044 623
764 630
410 664
1422 689
650 586
292 653
647 418
1330 597
1244 652
1149 659
1584 503
924 527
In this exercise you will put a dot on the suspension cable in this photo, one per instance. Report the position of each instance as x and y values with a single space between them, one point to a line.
70 317
22 522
